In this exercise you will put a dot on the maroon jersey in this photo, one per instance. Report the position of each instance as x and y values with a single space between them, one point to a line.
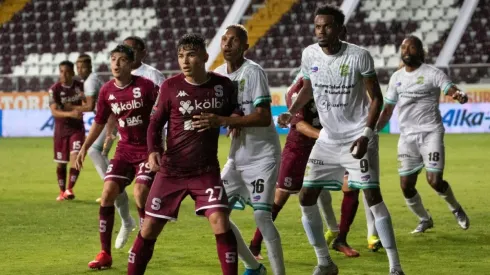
131 105
61 94
308 114
189 152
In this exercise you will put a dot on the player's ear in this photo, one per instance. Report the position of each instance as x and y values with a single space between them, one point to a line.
206 57
245 47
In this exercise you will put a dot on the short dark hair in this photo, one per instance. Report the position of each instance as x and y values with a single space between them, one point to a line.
84 58
192 41
67 63
334 11
241 31
419 45
138 40
124 49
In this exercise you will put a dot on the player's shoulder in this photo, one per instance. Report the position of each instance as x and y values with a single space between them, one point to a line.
356 50
108 86
77 83
312 48
55 87
141 81
251 68
430 68
217 77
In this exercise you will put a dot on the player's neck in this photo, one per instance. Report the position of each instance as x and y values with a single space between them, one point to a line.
198 78
123 81
232 66
332 48
67 84
412 68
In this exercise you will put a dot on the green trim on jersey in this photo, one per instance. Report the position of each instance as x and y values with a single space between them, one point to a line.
369 74
448 86
389 101
262 99
363 185
410 172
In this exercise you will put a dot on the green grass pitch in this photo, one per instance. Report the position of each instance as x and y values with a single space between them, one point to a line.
41 236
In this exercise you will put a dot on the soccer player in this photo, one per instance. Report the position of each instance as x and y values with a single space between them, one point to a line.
98 152
304 130
189 165
138 67
250 173
69 131
130 99
337 74
417 88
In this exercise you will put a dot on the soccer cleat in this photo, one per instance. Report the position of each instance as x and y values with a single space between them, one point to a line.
123 235
331 269
423 226
255 249
102 261
374 243
60 196
343 247
330 236
396 272
259 271
69 195
462 218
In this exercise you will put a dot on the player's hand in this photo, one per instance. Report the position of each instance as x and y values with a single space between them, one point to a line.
76 114
359 147
80 158
460 97
109 139
154 160
205 121
284 119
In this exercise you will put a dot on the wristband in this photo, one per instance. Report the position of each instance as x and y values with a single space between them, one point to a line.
368 133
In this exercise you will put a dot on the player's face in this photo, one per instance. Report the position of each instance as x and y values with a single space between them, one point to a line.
139 53
66 74
410 53
327 31
120 65
231 46
83 70
192 60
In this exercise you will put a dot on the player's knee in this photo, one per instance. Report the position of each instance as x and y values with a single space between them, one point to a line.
152 227
219 222
62 165
140 192
109 193
309 196
262 217
435 180
373 196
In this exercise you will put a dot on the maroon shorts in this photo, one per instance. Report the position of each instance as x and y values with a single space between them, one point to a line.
292 171
126 166
64 146
167 193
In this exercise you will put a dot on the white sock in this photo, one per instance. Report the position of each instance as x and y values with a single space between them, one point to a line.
386 233
415 204
272 241
243 252
313 225
122 206
371 228
325 204
448 196
100 161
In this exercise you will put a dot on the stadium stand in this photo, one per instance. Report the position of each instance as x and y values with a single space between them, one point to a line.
39 34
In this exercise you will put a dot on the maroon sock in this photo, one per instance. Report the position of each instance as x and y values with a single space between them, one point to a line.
73 177
106 223
140 255
227 252
257 240
141 213
350 203
61 173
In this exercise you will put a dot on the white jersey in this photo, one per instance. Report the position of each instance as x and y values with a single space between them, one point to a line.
418 94
149 72
338 89
91 87
256 145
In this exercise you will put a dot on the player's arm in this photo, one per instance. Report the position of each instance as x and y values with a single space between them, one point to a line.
88 105
306 129
389 104
56 112
449 89
159 116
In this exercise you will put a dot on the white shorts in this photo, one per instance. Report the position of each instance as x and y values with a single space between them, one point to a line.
99 142
255 187
329 162
419 150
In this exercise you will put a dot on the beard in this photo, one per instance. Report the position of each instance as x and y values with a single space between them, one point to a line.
411 61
